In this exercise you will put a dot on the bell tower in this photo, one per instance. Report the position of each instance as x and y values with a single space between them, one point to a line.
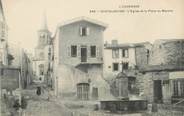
44 35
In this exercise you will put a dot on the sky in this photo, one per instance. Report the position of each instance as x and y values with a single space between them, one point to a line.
24 18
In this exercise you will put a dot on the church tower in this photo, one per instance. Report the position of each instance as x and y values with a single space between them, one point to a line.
44 34
41 60
3 38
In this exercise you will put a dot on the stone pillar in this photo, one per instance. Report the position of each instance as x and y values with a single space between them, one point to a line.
122 85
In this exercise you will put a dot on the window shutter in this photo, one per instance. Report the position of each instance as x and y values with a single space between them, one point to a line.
88 51
87 31
79 51
69 51
97 51
80 31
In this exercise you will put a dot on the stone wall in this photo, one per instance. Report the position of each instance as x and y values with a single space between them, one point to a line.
167 52
145 84
142 58
9 78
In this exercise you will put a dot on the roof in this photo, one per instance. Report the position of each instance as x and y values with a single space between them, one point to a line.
125 45
10 67
163 41
156 68
83 19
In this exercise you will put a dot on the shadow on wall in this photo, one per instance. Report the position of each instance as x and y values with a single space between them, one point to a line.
69 77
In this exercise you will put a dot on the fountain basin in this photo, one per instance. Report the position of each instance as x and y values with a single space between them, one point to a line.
124 105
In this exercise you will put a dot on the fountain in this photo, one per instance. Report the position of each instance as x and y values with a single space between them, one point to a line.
123 103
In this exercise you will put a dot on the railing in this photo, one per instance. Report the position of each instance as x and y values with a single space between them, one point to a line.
181 100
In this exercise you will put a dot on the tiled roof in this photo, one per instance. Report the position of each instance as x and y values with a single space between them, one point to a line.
126 45
10 67
83 19
155 68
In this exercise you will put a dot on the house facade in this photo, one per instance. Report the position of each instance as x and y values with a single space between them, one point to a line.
78 47
162 79
26 69
126 58
3 38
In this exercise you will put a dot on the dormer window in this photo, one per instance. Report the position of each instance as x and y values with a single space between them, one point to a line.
84 31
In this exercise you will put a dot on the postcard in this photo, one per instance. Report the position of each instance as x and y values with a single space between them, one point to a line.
92 57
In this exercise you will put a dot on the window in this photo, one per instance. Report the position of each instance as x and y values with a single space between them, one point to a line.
3 30
124 65
125 53
178 88
84 31
115 66
73 51
160 46
2 72
148 53
83 91
115 53
41 69
41 55
93 51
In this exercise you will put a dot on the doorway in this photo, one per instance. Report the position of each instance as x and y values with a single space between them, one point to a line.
83 54
158 91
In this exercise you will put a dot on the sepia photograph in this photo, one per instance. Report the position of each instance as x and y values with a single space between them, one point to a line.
91 58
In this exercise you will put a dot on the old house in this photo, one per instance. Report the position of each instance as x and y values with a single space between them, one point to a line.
10 77
42 62
78 47
3 38
162 79
26 69
126 58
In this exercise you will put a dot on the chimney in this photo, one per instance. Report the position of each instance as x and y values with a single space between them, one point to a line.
106 43
114 42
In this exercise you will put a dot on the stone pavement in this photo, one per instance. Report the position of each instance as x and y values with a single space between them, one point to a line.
45 108
43 105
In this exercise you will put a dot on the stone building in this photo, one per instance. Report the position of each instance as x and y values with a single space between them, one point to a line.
126 58
26 69
3 38
42 62
13 74
167 51
78 47
162 80
10 76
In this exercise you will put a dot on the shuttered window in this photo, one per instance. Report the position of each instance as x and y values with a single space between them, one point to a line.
178 88
115 66
125 53
115 53
93 51
73 51
125 65
84 31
